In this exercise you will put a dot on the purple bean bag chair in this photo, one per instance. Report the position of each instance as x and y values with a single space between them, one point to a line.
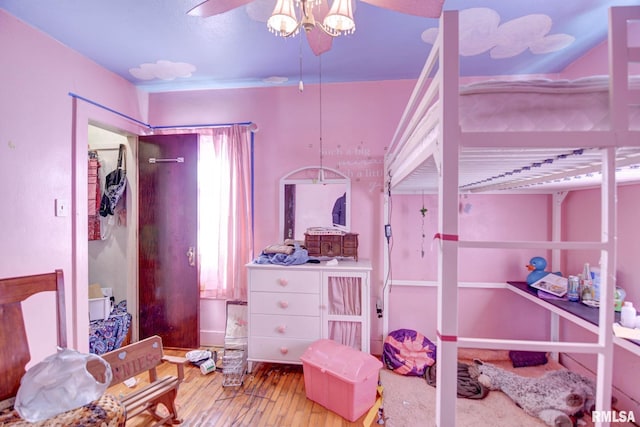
408 352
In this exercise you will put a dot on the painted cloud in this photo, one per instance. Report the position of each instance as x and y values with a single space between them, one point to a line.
164 70
276 79
481 31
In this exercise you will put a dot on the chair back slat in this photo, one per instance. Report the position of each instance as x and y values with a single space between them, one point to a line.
14 347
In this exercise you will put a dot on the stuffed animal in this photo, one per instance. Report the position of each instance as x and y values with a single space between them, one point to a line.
536 266
554 398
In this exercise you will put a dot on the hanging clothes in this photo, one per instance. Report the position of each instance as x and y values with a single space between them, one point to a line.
114 186
94 196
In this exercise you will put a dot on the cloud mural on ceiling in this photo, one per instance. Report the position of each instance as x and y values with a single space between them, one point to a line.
276 79
164 70
481 31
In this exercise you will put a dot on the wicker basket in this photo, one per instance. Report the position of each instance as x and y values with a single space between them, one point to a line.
234 366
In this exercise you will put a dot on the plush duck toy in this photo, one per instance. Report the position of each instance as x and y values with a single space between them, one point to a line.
536 266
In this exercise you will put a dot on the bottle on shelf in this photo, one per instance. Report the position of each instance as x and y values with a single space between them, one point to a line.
587 293
573 288
628 315
618 298
595 275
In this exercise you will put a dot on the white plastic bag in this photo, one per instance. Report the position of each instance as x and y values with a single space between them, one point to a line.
59 383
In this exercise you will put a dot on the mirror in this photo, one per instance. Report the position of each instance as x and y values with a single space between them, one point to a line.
314 196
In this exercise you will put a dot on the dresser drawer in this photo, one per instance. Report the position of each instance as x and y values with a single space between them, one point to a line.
283 350
285 327
350 252
312 242
350 240
282 280
331 247
284 304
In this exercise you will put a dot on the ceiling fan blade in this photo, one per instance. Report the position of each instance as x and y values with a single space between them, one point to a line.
214 7
319 41
425 8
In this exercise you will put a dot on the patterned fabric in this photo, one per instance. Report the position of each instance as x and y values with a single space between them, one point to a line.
114 185
408 352
107 335
107 411
94 197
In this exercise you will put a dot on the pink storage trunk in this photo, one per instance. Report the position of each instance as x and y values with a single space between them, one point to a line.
340 378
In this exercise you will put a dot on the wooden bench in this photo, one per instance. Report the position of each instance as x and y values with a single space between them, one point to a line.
138 358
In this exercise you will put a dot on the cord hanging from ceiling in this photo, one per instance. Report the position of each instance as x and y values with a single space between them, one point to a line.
300 83
321 173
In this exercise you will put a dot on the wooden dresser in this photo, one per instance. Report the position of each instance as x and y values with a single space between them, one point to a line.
290 307
332 245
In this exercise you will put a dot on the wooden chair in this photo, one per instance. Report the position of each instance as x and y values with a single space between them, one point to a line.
14 348
14 354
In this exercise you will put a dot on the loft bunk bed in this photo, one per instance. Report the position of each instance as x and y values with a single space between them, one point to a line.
442 146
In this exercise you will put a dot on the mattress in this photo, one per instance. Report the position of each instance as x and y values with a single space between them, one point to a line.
564 105
524 106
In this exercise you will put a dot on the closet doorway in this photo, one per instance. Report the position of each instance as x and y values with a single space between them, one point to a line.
167 243
111 248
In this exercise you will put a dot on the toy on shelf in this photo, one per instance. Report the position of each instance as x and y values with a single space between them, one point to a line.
537 267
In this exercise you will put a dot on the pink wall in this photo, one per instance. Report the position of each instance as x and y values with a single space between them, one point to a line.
482 217
596 61
581 211
358 121
40 147
485 313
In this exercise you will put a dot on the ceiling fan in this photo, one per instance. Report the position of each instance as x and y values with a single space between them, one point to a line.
320 23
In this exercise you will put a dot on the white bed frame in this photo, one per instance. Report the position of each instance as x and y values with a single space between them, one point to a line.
409 152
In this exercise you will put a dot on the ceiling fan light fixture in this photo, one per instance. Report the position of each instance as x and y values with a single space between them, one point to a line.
283 20
340 17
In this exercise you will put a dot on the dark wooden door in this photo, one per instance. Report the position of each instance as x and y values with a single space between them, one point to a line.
168 219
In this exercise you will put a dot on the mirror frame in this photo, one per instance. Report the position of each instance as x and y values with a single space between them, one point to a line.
314 175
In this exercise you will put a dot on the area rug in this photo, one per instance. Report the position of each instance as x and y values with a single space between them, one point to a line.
410 401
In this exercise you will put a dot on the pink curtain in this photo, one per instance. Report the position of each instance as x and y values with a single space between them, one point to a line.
225 217
344 299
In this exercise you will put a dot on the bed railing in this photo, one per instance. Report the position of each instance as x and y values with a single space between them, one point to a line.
621 56
417 120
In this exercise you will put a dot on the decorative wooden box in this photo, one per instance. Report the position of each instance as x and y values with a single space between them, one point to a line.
332 245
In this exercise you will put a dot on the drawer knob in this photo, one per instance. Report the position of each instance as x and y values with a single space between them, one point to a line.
284 350
284 304
282 329
283 282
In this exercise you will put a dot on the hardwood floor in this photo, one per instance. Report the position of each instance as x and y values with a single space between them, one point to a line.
272 395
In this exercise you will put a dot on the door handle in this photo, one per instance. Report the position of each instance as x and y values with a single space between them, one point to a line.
191 256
